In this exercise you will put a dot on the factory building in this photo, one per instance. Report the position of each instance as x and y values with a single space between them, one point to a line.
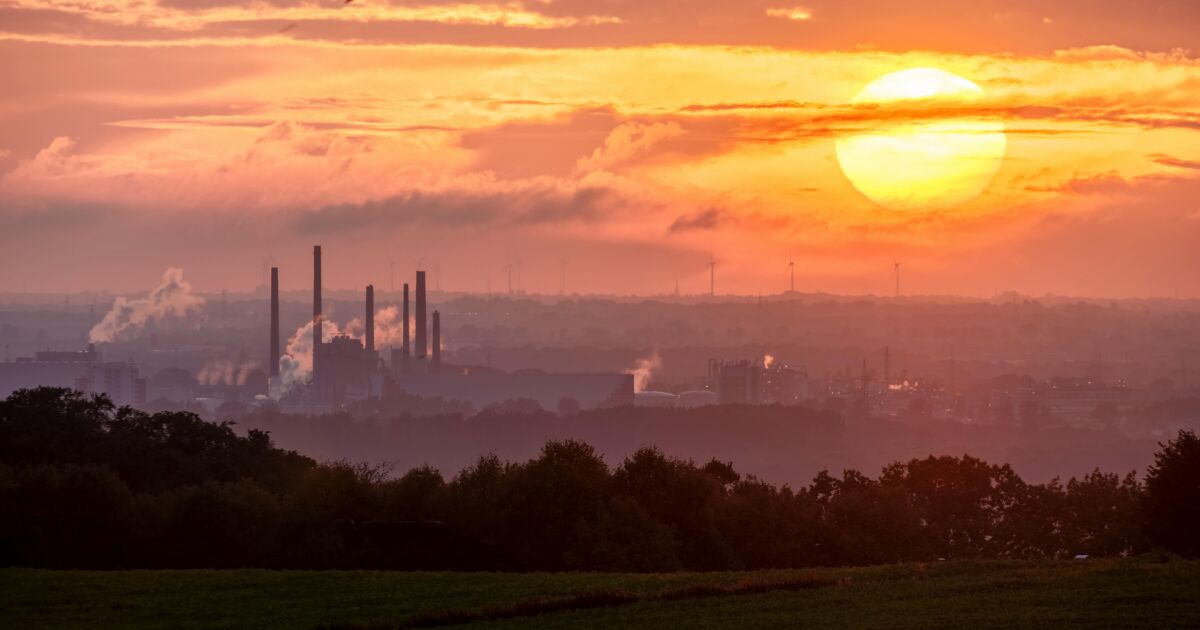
753 383
783 385
346 369
84 370
737 382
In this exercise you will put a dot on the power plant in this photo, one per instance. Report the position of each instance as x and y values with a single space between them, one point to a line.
346 369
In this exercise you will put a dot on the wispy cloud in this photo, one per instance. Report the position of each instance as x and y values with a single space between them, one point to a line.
195 16
519 205
707 219
795 14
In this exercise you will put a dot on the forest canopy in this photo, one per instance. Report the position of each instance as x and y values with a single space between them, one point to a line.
86 484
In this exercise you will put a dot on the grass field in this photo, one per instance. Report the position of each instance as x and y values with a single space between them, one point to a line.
1091 594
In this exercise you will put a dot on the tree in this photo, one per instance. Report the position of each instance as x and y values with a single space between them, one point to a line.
1102 514
1172 498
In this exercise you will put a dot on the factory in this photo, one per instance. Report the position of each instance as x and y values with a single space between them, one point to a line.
83 370
346 369
754 383
738 383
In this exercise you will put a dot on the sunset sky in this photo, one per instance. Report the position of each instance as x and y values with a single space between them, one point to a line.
631 139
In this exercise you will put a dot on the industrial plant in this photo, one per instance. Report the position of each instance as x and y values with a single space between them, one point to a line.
413 349
347 369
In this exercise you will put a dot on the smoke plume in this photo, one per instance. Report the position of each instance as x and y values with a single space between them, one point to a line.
643 369
225 372
172 297
296 364
389 327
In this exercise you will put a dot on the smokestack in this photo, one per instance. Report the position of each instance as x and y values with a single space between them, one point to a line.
422 344
370 317
274 361
404 314
437 342
887 366
316 300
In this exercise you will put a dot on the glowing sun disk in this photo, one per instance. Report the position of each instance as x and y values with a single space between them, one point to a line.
911 161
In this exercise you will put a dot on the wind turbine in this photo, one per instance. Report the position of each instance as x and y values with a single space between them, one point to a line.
792 271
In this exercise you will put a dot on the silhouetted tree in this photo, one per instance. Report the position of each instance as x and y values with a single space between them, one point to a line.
1172 497
85 484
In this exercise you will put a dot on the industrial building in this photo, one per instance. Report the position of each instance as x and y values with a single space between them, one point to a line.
757 383
346 369
83 370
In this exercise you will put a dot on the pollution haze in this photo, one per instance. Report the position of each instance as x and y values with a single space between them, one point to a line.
688 290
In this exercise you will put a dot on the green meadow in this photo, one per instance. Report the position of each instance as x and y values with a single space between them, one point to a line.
1146 592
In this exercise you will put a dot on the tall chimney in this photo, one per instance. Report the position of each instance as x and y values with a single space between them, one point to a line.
274 359
370 318
316 301
437 342
422 344
404 314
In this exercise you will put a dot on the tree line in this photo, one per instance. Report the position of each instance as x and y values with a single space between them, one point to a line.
86 484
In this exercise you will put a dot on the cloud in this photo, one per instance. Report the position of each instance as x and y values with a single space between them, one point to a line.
54 160
1166 160
1111 183
762 105
625 141
709 219
196 16
1119 25
527 204
795 14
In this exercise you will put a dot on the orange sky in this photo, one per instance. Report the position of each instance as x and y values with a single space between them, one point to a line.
632 140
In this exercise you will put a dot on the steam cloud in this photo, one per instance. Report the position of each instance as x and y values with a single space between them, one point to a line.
225 372
172 297
389 327
643 369
296 364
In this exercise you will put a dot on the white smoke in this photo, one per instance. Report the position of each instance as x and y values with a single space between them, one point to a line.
172 297
225 372
643 369
389 327
295 366
768 361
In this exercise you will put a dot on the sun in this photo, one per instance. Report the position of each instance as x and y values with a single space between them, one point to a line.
922 150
